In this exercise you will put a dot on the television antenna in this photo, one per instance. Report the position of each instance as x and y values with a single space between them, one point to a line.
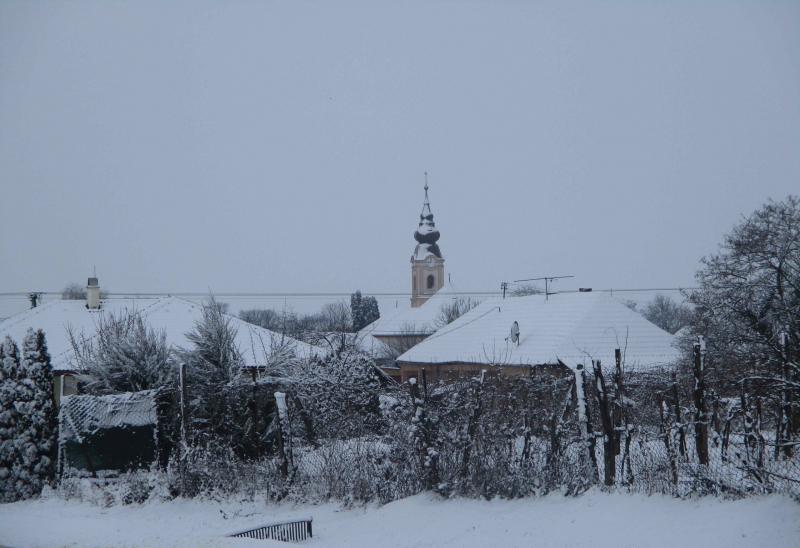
547 281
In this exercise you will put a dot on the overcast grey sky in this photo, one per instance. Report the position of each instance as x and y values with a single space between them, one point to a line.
280 146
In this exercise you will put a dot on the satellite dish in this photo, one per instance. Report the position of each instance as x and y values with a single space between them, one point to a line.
514 333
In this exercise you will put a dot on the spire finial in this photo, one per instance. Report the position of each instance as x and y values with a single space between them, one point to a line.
426 186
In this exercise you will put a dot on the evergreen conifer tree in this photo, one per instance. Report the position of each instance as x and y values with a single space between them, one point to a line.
363 310
370 310
36 428
357 311
9 367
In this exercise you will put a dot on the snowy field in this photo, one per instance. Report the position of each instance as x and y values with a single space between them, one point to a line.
595 519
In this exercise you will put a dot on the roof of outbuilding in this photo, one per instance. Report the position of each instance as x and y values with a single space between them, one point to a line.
83 415
411 321
174 315
571 328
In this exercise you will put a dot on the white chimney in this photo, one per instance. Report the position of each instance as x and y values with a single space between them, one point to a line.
92 294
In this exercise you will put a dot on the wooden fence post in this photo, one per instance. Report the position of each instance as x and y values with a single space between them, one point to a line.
606 421
621 418
678 416
619 400
701 413
585 420
284 441
784 427
427 454
666 431
472 424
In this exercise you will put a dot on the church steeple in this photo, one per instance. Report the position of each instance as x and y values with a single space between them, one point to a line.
426 234
427 263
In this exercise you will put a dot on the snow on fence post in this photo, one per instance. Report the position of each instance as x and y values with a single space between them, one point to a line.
284 435
747 423
560 414
621 425
784 427
585 422
666 432
421 431
678 416
472 423
700 413
618 409
607 423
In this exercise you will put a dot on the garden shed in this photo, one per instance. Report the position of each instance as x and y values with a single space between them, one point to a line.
114 432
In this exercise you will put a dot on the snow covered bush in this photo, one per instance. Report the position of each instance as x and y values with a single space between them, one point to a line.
338 397
126 355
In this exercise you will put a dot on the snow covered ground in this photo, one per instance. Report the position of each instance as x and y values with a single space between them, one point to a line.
596 519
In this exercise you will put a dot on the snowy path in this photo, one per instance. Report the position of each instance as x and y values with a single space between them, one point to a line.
595 519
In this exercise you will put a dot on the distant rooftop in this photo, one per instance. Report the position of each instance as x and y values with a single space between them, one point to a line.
569 328
174 315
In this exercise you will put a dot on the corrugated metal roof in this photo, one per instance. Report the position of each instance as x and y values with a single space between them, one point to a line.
570 328
84 415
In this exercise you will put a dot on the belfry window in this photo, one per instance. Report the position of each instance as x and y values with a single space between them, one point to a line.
430 281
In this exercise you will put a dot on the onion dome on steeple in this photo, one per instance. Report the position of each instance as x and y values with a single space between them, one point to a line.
426 234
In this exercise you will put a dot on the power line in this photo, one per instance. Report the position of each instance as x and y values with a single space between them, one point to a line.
244 294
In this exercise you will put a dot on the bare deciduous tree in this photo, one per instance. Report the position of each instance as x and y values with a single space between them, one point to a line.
667 314
455 309
748 307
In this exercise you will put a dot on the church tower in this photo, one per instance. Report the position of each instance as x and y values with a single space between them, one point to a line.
427 264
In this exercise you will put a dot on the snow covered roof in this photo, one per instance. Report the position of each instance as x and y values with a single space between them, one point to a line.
174 315
84 415
411 321
571 328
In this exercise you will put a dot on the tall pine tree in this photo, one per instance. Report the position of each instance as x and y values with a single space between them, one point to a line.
363 310
9 369
36 429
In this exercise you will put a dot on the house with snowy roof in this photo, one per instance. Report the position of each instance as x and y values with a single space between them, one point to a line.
175 316
406 327
519 334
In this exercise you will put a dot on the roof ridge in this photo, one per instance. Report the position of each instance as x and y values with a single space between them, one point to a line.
17 318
